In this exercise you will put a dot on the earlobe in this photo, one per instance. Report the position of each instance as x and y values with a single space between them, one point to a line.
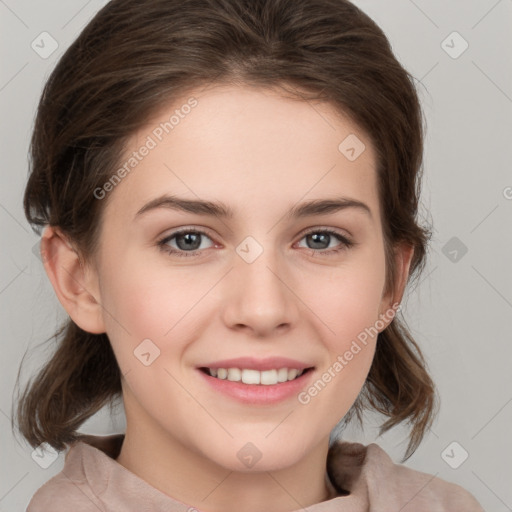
74 284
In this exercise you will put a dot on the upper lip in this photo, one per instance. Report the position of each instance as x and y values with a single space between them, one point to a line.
252 363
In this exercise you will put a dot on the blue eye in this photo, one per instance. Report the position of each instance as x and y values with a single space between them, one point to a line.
188 242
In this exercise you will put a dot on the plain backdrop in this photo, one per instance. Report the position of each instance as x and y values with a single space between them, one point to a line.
460 311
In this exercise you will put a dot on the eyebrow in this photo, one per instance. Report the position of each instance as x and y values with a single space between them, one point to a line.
222 211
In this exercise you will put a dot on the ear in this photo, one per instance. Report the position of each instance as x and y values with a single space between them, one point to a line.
74 283
403 254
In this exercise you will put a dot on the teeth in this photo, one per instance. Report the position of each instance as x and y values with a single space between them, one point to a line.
234 374
267 377
282 375
248 376
292 374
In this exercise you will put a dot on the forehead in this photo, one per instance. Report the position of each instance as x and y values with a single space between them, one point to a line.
244 145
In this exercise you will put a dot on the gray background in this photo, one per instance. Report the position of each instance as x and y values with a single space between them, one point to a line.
460 311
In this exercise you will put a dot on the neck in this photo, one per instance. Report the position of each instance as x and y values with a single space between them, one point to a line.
189 477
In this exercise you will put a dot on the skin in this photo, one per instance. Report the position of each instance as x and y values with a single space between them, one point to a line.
261 154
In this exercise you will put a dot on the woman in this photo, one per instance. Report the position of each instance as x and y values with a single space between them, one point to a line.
281 142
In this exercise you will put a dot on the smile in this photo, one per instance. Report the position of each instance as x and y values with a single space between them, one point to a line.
255 377
253 387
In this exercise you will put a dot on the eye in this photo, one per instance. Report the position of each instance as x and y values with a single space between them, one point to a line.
188 242
320 239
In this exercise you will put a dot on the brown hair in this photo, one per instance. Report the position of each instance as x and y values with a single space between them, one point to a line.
135 57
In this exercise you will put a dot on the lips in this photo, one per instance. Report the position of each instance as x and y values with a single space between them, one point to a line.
258 393
252 363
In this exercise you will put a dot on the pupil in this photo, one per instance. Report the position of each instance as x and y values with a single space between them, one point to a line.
191 243
319 238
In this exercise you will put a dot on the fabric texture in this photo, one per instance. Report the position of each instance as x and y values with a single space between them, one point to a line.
365 479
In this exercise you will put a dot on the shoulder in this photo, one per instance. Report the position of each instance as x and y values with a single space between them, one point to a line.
416 490
67 490
395 486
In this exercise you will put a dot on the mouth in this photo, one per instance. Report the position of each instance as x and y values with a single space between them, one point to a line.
257 381
252 387
252 377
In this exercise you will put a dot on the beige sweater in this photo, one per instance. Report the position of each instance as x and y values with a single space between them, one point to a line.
365 478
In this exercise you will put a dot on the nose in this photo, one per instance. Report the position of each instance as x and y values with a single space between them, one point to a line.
259 296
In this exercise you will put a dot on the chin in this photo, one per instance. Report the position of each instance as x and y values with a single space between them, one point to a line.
256 456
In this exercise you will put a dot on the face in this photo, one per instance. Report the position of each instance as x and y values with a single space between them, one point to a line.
273 279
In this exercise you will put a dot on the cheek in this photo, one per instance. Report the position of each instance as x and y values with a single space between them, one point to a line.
347 306
348 298
141 304
349 310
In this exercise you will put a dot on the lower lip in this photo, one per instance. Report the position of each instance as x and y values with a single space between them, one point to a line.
258 393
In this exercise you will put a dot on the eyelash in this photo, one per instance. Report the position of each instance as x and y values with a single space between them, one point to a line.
345 242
